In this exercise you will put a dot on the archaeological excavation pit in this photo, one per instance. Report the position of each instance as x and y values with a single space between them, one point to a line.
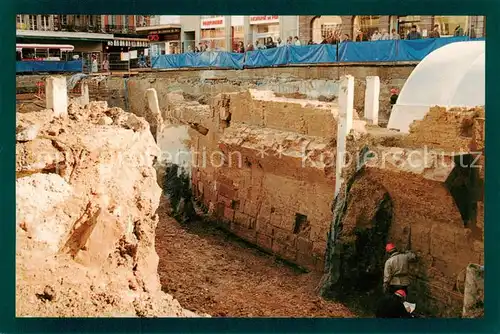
228 199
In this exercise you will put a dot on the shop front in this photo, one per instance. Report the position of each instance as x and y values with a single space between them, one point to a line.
163 39
124 53
213 32
264 26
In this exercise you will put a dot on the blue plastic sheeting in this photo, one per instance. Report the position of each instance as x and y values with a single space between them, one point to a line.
199 60
267 57
416 50
49 66
376 51
312 54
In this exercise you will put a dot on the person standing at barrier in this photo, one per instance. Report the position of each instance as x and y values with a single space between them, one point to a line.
376 35
270 44
394 34
396 269
472 32
435 32
413 34
240 48
296 41
279 42
385 35
259 46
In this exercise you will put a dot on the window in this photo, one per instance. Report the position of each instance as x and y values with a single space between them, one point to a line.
64 20
405 23
32 22
44 24
451 25
366 24
323 25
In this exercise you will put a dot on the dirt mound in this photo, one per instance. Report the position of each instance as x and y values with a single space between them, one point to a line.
86 202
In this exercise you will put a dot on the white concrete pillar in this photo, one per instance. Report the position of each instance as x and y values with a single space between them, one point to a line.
56 93
85 93
155 118
344 125
372 94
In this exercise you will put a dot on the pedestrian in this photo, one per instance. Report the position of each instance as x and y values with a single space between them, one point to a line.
289 40
269 43
250 47
376 35
259 46
385 35
459 31
105 64
413 34
396 269
310 42
394 34
241 47
280 43
435 32
472 32
296 41
392 306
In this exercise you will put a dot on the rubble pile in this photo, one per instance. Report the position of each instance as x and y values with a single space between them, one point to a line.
86 200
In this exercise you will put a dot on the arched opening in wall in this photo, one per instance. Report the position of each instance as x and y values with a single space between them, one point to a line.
370 248
363 26
466 188
322 26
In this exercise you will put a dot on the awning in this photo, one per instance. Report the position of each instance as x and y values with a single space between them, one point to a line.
63 35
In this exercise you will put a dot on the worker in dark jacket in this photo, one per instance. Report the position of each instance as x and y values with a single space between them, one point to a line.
391 306
396 270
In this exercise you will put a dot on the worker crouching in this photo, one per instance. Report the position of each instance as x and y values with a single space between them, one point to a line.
392 306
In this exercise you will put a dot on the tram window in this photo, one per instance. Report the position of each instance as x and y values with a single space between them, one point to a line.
41 53
54 53
28 53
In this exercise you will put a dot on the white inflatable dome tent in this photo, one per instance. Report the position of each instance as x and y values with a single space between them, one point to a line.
451 76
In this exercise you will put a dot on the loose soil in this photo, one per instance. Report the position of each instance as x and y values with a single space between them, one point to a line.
210 271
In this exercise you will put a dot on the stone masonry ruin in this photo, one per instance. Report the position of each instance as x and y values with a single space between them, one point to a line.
268 166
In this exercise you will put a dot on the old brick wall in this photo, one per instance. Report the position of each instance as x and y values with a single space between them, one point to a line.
427 221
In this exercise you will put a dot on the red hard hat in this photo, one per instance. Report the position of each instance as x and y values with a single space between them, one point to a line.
389 247
401 293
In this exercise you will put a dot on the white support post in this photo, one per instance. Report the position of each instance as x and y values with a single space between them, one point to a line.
155 119
85 93
56 93
344 125
372 95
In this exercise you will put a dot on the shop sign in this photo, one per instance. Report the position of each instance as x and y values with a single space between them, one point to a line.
213 22
165 31
264 19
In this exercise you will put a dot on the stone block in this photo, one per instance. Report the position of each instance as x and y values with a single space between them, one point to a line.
244 233
226 201
443 231
306 260
304 245
243 219
228 214
319 248
264 241
251 209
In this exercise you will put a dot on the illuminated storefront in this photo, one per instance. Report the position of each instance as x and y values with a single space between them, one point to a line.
164 39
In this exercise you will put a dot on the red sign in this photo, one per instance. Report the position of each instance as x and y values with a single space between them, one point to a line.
264 19
214 22
153 37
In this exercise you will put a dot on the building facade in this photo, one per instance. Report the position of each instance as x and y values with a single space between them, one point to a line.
87 33
225 32
315 27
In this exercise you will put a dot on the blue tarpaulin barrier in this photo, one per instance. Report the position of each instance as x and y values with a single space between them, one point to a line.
416 50
312 54
199 60
48 66
267 57
367 51
377 51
